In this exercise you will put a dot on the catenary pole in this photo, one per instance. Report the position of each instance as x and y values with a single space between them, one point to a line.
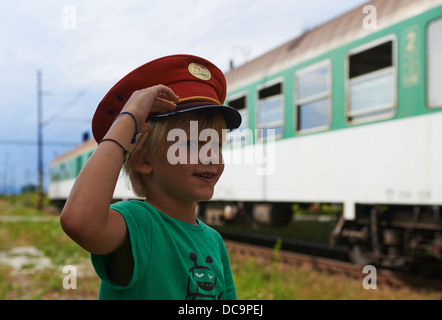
40 141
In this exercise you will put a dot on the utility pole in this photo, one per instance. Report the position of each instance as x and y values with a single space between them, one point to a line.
40 141
40 125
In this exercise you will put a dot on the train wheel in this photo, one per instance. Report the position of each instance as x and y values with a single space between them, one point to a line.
281 214
278 214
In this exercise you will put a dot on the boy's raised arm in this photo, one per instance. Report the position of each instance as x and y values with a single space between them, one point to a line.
86 216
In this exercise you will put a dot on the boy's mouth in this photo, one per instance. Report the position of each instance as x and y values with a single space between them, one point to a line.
203 175
206 176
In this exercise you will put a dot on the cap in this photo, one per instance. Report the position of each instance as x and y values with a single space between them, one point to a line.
198 83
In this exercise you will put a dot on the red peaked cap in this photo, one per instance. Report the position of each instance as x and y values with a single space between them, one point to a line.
198 83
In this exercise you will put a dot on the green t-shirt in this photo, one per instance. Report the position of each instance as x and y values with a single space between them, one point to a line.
173 260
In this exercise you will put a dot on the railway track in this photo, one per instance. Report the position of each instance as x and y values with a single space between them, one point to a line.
330 265
288 244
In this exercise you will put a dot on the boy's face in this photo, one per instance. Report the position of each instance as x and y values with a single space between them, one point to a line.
190 165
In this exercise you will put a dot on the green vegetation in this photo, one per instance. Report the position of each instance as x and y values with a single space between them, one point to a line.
36 238
255 279
40 232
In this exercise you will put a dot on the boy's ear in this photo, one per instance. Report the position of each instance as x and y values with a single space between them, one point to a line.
141 164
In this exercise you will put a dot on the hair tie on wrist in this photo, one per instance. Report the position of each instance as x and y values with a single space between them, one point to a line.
125 152
136 125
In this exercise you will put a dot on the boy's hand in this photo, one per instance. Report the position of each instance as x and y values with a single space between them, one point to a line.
154 99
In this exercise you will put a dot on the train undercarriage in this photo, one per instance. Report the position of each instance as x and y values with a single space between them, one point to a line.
392 236
270 213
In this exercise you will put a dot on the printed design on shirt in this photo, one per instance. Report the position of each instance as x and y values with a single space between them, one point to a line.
201 282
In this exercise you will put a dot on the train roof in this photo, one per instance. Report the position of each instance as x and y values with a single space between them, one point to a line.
339 31
82 148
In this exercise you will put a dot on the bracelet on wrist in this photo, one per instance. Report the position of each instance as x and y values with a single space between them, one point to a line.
125 152
136 126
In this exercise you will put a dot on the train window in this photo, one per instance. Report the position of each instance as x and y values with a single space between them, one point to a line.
239 136
55 173
313 97
270 114
63 171
434 43
372 82
78 165
240 104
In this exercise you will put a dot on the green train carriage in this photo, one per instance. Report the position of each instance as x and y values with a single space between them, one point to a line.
357 122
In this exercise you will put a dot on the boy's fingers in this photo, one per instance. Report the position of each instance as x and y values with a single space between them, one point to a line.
161 105
167 93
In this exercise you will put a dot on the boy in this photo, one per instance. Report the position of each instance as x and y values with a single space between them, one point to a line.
155 249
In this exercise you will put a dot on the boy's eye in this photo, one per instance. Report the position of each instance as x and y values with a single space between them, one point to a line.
215 146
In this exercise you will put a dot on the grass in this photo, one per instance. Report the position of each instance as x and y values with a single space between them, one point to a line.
254 279
30 282
257 280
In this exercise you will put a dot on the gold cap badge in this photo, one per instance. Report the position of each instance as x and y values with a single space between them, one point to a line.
199 71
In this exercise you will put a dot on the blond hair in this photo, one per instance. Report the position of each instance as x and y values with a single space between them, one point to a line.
152 142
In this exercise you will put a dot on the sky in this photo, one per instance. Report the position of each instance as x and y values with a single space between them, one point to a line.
83 47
